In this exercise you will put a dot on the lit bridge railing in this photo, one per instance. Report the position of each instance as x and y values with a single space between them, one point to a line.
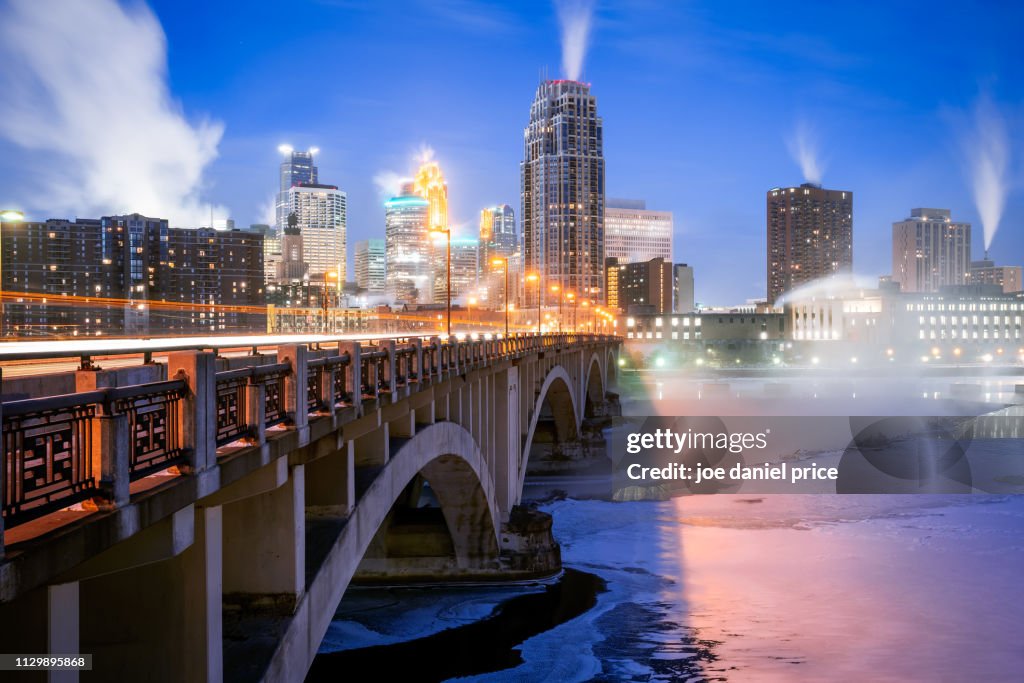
90 447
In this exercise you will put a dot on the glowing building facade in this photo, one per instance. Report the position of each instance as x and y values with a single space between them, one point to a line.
320 211
563 191
498 239
429 183
408 249
810 236
633 233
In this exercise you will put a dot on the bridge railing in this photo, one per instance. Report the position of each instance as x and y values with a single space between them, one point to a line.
89 447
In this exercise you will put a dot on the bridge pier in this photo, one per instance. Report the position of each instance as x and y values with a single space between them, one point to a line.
264 548
331 483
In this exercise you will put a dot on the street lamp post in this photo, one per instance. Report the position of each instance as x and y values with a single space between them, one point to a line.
571 296
330 275
503 262
8 216
533 277
555 289
447 232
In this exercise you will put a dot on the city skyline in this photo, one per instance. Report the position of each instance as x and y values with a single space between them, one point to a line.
808 78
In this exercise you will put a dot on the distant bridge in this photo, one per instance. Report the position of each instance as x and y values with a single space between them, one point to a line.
200 519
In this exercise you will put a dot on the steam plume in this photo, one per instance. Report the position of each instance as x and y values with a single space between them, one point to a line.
85 85
389 184
803 148
987 149
574 17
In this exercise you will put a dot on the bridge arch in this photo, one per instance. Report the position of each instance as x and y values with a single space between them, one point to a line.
611 368
595 385
557 391
448 457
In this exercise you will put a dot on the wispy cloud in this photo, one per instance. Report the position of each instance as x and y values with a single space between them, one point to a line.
480 17
86 86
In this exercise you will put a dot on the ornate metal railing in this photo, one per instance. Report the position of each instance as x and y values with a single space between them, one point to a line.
63 450
154 419
230 405
47 455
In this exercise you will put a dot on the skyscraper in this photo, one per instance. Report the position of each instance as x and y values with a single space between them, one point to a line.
430 184
498 239
296 169
371 266
930 251
464 268
632 233
562 181
407 249
810 236
320 211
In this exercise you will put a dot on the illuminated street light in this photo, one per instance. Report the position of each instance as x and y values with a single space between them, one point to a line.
438 231
554 290
533 277
503 262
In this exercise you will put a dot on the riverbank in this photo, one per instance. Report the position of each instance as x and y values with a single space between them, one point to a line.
483 646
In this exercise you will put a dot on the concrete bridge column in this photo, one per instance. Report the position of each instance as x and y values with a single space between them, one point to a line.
199 415
296 388
152 610
353 373
330 482
391 365
506 431
264 547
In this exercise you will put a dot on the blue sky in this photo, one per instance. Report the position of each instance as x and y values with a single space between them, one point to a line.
698 101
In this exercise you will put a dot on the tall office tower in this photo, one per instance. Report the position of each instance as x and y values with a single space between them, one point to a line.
562 182
633 233
930 251
810 236
986 272
498 239
407 249
371 266
430 184
320 211
464 271
682 285
296 169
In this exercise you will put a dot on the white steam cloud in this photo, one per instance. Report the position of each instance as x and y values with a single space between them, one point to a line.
85 86
987 149
803 148
574 18
389 184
